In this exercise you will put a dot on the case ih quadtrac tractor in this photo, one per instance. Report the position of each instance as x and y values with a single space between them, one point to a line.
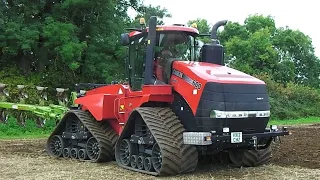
179 104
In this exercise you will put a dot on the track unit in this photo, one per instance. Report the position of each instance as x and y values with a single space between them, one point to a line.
79 136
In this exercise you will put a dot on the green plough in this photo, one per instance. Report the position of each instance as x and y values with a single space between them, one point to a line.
20 110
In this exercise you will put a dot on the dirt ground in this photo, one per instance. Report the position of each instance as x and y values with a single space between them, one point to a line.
297 157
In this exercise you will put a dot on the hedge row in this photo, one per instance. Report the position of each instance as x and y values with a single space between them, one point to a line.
291 101
288 101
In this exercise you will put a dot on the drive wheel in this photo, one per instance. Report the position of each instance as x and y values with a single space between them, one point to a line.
56 146
156 158
93 149
125 152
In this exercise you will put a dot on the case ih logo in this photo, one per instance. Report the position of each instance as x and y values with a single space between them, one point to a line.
192 82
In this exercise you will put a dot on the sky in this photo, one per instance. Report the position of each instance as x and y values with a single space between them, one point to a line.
297 15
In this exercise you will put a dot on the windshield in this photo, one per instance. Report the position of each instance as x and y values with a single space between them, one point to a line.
179 45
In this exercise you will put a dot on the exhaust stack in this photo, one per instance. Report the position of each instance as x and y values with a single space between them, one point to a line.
214 52
215 28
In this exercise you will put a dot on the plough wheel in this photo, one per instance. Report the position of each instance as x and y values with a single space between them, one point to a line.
2 119
4 116
152 138
21 119
40 122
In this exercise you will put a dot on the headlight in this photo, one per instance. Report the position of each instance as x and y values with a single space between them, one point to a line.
238 114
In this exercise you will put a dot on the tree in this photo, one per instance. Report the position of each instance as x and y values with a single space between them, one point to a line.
202 25
295 47
64 42
258 46
203 28
147 11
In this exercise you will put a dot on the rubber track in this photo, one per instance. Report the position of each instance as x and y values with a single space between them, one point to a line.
252 158
257 157
177 158
103 133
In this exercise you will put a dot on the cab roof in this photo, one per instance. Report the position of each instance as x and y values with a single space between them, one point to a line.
167 28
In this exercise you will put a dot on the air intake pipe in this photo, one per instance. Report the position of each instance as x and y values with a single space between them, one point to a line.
214 51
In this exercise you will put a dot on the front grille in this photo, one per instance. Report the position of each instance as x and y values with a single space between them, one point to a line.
232 97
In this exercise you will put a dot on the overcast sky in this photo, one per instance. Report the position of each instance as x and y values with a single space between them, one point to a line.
296 14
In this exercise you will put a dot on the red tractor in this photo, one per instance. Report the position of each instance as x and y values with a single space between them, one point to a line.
179 104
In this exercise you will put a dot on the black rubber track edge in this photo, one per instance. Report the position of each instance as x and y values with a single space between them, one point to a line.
177 158
251 158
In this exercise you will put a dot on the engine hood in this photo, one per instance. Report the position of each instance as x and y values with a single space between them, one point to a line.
215 73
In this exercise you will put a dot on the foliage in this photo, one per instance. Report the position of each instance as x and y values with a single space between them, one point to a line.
60 43
76 40
291 101
13 130
258 46
147 11
203 28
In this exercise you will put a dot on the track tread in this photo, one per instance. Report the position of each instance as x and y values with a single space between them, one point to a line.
177 158
103 133
253 158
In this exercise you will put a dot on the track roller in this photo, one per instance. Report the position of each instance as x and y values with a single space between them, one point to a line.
140 162
74 153
66 152
156 134
134 161
250 158
147 164
82 154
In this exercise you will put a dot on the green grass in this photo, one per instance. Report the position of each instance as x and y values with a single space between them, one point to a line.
14 131
309 120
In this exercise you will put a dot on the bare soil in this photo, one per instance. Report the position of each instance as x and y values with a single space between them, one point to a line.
297 157
301 148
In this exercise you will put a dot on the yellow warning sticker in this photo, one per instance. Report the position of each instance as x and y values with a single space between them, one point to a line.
121 107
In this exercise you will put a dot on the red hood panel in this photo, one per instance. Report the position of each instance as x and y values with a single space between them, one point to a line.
216 73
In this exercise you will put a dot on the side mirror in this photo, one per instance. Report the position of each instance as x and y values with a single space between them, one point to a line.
125 40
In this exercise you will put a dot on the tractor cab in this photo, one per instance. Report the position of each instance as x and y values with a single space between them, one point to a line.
172 43
153 49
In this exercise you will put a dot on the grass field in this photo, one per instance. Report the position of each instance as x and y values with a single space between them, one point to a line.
13 131
310 120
